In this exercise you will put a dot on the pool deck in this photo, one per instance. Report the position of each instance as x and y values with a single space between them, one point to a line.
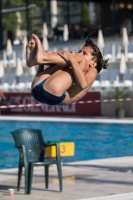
68 119
104 179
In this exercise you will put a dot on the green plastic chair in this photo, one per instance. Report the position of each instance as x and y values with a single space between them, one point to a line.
31 148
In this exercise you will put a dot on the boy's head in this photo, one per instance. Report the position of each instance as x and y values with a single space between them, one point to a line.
97 55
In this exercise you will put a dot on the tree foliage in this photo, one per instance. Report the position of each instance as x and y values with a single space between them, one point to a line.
10 21
85 15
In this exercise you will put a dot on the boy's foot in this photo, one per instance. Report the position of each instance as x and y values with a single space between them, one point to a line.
39 49
30 53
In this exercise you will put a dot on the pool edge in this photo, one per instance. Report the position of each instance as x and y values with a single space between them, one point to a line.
68 119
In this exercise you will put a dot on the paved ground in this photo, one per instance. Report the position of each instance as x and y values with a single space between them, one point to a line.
81 180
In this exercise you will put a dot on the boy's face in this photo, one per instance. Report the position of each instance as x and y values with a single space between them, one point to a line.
87 53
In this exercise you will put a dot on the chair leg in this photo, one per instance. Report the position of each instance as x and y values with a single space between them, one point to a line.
19 176
27 179
30 177
46 175
59 175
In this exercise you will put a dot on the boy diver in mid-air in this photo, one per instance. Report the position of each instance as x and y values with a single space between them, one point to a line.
69 75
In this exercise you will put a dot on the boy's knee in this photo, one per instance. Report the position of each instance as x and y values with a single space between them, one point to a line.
49 85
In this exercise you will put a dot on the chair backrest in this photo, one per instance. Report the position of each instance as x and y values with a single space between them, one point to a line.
117 48
130 48
114 73
5 78
107 49
11 78
33 141
128 74
104 75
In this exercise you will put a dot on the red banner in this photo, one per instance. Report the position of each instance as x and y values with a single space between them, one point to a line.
85 109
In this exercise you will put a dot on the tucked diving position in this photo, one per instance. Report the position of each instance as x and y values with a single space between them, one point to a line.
69 75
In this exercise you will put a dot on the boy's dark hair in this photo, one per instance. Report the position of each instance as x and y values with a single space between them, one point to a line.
97 55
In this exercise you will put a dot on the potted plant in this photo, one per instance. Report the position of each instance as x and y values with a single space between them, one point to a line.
118 94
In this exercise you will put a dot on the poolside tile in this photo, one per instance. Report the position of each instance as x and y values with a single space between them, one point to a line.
81 180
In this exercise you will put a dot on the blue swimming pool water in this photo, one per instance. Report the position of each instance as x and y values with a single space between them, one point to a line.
92 140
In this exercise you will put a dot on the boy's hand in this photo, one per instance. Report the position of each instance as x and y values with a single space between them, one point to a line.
48 51
67 55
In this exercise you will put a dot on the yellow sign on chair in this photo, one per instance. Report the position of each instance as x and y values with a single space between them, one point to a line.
66 149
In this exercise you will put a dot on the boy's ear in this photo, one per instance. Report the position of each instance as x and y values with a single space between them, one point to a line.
93 64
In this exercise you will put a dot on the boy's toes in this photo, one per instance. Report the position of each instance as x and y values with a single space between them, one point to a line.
35 37
32 41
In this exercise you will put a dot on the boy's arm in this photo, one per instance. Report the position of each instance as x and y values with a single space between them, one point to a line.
52 58
2 95
55 58
43 57
83 80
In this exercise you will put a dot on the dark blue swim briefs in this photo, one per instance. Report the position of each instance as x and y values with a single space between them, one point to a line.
45 97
